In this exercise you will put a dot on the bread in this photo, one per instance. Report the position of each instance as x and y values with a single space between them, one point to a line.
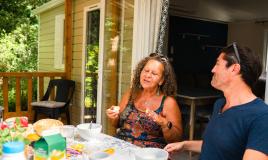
45 124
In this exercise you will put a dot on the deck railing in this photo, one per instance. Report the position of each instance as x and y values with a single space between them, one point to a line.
6 77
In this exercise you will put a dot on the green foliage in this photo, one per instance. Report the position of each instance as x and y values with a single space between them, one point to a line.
18 49
18 44
16 12
91 78
18 53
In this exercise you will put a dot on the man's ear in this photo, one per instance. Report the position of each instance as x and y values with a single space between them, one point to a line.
236 68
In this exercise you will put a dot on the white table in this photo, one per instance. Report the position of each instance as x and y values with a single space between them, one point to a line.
123 150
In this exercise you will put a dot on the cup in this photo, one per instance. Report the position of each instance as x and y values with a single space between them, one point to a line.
67 131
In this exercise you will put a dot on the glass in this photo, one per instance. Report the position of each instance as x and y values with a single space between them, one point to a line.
68 131
117 48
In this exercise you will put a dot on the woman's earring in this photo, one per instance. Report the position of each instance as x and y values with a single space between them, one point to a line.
158 91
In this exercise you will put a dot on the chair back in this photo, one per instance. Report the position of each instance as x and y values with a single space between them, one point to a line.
64 90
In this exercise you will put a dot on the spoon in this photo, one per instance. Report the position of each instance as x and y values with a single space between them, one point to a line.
90 125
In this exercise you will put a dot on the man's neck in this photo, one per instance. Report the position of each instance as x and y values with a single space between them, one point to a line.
237 94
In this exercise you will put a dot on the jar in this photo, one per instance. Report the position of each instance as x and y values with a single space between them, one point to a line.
13 150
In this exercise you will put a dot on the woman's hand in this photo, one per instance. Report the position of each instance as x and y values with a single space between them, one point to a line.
172 147
159 119
113 112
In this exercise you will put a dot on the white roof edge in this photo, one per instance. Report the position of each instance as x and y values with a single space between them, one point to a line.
49 5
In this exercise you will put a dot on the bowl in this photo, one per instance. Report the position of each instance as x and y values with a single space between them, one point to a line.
151 154
99 156
88 130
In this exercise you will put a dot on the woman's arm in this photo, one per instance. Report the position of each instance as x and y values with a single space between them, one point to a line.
171 113
114 116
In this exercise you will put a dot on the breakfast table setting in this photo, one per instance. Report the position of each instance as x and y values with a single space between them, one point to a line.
100 146
51 139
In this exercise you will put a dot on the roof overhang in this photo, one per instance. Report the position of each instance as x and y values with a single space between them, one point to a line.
47 6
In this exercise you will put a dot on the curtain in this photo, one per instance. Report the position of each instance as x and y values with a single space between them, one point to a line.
264 77
149 18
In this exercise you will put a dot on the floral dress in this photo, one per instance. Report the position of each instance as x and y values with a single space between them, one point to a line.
137 128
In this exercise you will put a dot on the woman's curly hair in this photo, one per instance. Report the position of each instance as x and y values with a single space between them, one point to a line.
169 86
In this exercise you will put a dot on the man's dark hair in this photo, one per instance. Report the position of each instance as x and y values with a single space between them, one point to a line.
250 64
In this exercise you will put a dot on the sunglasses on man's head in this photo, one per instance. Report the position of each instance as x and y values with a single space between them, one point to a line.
236 52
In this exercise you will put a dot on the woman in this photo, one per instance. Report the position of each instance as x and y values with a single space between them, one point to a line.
149 115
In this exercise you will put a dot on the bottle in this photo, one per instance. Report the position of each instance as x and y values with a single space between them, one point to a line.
13 151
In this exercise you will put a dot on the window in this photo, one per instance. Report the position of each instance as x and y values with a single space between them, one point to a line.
59 42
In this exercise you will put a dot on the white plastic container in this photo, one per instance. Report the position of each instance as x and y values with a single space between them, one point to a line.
13 151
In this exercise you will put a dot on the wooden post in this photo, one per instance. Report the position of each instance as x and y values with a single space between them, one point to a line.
41 87
68 39
30 98
5 95
18 96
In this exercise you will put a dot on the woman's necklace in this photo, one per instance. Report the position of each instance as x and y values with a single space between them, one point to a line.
148 103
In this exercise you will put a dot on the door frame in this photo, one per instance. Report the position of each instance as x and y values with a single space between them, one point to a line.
98 6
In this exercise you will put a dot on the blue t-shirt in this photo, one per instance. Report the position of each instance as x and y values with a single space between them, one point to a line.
230 133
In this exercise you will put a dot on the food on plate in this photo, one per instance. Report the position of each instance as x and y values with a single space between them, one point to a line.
22 121
78 147
45 124
109 150
3 125
33 137
75 149
57 155
14 129
116 109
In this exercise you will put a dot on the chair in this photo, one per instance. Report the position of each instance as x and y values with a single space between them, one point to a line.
63 90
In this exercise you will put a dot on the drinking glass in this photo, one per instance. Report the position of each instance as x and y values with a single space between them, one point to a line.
68 132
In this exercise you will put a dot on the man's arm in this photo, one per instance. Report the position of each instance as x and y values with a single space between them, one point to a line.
251 154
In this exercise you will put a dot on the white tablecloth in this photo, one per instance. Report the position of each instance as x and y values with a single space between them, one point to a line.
123 150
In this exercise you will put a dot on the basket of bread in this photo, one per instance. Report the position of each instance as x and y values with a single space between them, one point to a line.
46 124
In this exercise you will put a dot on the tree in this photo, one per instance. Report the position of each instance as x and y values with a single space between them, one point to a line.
18 43
16 12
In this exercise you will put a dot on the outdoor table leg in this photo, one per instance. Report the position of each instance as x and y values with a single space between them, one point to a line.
191 124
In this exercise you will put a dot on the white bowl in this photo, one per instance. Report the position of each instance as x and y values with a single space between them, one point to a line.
151 154
100 156
87 130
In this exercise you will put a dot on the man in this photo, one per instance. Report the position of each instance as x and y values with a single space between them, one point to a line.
238 128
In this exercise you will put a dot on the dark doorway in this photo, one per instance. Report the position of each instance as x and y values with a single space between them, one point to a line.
194 46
